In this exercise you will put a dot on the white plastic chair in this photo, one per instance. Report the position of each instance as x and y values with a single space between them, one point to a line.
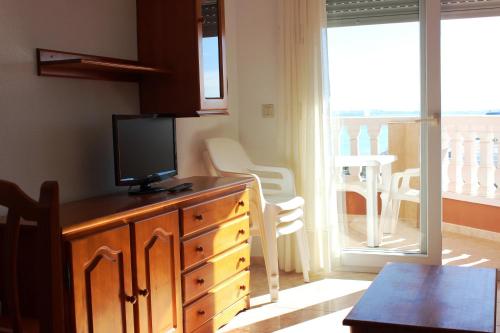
401 190
275 209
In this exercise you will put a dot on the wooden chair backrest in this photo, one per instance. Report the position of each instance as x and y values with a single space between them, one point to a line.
48 270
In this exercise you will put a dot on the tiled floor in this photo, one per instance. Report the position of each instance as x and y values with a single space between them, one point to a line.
322 304
406 238
318 306
458 249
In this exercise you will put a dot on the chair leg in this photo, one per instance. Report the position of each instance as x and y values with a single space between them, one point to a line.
250 240
270 251
301 238
396 205
273 277
385 215
342 209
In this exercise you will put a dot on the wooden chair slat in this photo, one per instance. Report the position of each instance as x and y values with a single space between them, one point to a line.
49 276
12 197
12 290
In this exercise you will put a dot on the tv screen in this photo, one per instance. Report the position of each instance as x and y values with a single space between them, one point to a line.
144 149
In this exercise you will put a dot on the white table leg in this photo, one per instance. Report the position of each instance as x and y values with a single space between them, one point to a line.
372 230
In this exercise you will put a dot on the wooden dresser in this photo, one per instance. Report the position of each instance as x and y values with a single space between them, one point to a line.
160 262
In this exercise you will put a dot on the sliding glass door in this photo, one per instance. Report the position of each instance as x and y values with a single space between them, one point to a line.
385 97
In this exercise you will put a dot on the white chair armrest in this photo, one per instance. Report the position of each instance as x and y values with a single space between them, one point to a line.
285 182
405 175
291 204
412 172
234 174
266 168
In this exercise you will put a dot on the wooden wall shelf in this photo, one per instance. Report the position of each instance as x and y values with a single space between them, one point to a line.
83 66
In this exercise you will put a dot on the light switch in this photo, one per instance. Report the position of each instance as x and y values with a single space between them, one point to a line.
268 110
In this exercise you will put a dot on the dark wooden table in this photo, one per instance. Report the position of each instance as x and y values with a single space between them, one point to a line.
418 298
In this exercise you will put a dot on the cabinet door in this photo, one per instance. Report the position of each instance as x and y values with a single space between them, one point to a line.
158 273
102 284
212 55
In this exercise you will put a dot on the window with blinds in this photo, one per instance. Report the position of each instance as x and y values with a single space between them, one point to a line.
362 12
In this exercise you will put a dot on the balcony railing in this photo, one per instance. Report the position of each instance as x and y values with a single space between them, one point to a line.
472 172
470 169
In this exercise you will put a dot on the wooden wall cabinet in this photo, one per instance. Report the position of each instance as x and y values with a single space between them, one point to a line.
182 59
187 38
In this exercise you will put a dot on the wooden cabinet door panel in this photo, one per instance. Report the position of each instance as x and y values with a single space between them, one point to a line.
102 282
158 273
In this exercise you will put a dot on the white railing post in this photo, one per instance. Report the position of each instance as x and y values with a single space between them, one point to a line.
486 168
373 133
469 170
497 168
445 162
456 161
354 132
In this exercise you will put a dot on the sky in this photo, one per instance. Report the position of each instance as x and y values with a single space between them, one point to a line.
211 66
377 67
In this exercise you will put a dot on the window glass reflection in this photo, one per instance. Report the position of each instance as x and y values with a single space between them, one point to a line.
210 45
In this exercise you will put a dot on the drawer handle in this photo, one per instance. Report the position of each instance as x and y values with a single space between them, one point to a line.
243 259
201 312
243 287
198 217
200 280
241 231
199 249
131 299
144 292
241 203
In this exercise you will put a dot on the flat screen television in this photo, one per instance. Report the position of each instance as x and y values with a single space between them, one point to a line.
144 149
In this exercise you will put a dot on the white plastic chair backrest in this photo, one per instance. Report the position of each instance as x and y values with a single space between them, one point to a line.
228 155
228 158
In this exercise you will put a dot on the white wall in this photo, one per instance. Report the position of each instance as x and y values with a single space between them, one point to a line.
258 77
53 128
258 70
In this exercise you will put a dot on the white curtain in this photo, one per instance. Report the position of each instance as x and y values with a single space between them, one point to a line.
308 129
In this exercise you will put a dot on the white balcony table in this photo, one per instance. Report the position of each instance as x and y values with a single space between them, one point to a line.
375 165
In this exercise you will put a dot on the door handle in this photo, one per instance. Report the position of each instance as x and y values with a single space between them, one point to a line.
434 120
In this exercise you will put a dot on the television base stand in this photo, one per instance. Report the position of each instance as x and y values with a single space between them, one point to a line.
146 189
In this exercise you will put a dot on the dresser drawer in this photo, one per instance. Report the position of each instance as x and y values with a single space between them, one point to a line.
224 317
214 242
215 271
217 300
201 216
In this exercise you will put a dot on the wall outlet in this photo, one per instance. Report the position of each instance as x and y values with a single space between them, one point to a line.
268 110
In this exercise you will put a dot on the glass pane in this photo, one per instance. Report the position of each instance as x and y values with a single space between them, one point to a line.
210 45
375 98
471 116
